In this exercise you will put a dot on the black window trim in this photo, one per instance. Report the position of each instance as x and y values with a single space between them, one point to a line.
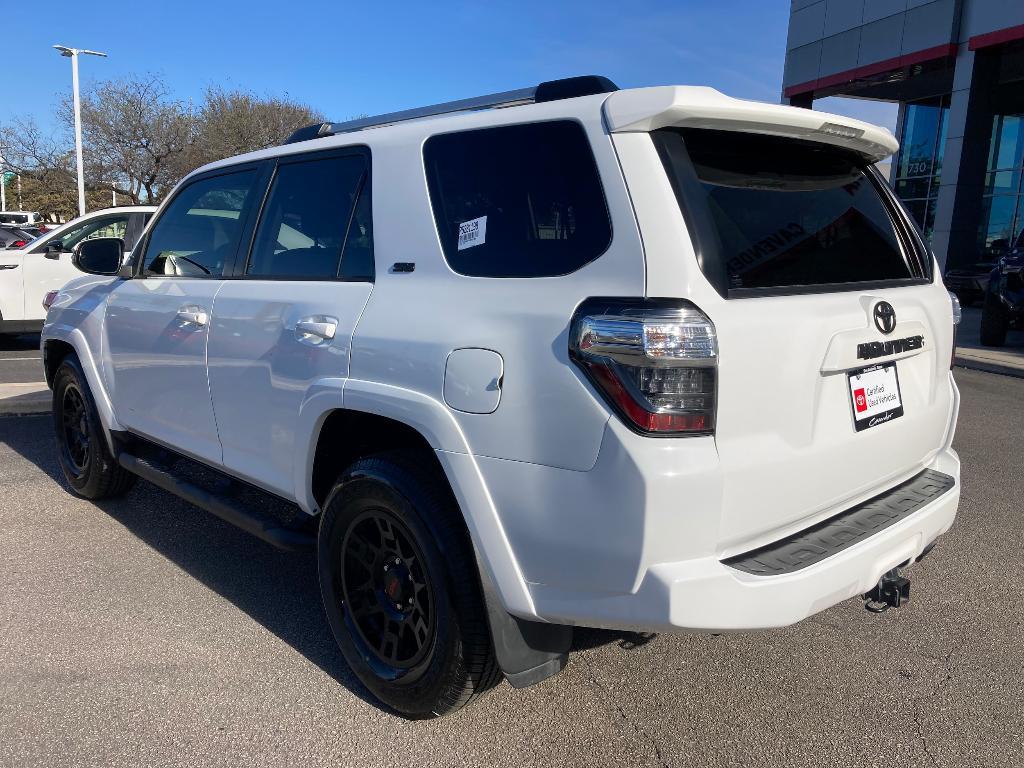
141 248
43 246
241 262
431 185
682 176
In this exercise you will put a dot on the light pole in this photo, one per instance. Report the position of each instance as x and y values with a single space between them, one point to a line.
73 54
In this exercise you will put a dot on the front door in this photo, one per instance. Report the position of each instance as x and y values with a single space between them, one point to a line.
158 322
48 266
287 321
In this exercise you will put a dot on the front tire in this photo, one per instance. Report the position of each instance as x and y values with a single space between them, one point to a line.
401 588
86 461
994 321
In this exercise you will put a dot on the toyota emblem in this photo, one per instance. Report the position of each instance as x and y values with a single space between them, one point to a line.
885 317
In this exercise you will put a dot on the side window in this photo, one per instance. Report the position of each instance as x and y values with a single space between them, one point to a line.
198 233
103 226
517 201
308 213
357 259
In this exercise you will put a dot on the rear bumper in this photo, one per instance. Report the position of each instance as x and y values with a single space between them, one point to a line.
705 594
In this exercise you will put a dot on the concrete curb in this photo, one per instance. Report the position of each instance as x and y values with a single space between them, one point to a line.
24 399
988 367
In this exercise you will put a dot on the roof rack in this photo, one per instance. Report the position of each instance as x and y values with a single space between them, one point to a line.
552 90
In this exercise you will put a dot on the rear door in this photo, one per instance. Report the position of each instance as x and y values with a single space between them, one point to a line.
287 319
157 323
834 340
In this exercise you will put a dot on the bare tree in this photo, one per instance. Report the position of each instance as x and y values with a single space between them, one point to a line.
232 122
139 141
46 167
134 134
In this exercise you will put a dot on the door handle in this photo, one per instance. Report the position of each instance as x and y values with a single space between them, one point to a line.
193 315
315 329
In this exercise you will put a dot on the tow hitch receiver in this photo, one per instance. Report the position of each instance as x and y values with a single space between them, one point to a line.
891 591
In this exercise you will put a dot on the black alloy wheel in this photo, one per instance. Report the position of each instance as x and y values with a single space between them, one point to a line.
400 585
387 591
75 425
82 449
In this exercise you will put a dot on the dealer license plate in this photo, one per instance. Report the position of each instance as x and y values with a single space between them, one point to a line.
875 395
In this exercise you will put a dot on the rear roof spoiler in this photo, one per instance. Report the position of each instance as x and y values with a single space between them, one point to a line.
648 109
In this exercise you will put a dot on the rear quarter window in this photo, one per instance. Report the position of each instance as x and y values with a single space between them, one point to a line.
517 201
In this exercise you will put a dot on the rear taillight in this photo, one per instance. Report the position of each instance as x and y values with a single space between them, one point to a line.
18 244
958 314
48 299
654 360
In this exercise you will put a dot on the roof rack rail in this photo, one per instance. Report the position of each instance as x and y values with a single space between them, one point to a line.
552 90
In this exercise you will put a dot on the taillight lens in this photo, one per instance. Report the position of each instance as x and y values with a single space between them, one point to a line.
655 361
958 315
48 299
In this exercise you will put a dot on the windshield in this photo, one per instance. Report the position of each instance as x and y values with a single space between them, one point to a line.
784 213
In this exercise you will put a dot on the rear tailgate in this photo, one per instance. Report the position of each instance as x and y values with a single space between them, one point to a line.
797 245
790 450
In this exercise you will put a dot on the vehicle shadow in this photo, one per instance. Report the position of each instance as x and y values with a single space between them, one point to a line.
584 638
279 590
28 342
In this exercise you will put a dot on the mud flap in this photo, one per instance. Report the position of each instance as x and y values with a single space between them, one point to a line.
528 651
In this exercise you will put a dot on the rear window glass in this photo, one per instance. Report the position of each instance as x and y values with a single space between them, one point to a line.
785 212
517 201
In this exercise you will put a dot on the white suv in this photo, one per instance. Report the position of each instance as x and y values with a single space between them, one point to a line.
27 274
651 358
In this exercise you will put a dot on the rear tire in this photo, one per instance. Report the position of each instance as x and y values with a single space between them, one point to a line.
86 461
401 588
995 321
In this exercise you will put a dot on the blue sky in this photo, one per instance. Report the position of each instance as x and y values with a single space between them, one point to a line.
349 58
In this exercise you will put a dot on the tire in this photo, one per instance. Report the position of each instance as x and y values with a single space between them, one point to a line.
394 555
86 461
994 321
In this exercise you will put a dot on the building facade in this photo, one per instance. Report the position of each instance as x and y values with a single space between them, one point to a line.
956 68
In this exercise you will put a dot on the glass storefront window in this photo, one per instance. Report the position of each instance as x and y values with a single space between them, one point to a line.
1007 148
1002 217
922 144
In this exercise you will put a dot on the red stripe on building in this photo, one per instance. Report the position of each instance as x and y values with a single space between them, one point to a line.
869 70
998 37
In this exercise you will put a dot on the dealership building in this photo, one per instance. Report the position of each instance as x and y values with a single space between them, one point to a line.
956 68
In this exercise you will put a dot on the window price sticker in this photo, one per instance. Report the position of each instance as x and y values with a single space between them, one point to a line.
472 232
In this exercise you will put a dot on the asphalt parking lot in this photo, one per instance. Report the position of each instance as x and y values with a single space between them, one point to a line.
20 360
145 632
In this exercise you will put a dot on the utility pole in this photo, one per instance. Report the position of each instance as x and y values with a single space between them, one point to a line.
73 53
3 187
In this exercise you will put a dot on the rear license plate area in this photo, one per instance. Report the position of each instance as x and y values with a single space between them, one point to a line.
875 396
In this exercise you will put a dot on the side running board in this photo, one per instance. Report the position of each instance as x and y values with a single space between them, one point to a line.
225 507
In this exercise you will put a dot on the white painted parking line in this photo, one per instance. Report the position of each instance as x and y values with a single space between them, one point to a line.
2 359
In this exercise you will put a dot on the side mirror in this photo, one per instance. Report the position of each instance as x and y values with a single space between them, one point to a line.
54 250
99 256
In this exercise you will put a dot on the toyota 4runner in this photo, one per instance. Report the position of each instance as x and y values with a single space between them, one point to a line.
568 356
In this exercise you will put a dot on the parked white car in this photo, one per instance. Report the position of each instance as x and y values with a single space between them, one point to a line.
44 264
653 359
20 217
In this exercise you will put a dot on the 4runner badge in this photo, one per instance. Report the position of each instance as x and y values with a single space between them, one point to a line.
872 349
